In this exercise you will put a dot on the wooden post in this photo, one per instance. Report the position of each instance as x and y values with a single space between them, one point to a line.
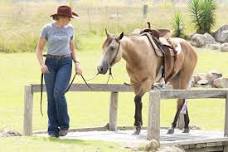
226 122
180 121
113 111
28 107
153 130
145 10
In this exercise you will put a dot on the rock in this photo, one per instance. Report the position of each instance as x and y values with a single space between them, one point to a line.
201 40
203 82
220 83
221 35
224 47
152 146
199 76
198 40
209 39
212 75
215 46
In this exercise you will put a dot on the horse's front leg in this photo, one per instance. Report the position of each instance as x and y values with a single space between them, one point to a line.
138 114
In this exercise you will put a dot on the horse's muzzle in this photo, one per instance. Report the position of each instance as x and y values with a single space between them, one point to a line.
102 69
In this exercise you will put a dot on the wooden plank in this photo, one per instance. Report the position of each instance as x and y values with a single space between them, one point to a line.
226 117
28 108
193 94
113 111
196 141
165 94
153 130
226 122
95 88
206 149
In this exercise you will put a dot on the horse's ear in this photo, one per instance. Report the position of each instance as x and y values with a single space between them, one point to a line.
120 36
106 32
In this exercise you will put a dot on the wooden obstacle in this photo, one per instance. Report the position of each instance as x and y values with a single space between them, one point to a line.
153 129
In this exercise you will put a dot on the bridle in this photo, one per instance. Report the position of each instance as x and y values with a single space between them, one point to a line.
113 60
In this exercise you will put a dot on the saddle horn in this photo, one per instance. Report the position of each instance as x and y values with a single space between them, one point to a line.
148 24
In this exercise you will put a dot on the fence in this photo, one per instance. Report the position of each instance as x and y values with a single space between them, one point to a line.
153 129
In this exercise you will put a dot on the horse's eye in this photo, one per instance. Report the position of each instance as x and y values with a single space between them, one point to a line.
112 48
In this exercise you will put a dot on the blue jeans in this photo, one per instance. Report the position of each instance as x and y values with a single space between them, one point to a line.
56 83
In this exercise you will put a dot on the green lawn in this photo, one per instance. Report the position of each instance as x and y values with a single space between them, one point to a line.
91 109
42 144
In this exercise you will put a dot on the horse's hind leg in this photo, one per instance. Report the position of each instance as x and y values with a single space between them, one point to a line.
174 123
186 122
181 81
138 114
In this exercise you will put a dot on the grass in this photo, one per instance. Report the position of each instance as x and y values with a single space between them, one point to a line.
37 144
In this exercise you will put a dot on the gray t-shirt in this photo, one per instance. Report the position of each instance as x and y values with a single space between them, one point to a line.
58 38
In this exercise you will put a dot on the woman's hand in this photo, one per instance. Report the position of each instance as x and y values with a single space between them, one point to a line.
78 69
44 69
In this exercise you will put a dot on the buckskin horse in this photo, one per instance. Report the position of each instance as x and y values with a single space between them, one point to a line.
144 64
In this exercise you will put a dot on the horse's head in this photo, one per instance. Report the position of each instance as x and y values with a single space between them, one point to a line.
111 52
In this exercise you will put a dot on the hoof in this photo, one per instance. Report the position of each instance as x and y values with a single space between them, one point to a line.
137 131
186 130
170 131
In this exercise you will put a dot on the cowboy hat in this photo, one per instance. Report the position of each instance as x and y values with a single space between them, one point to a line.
65 10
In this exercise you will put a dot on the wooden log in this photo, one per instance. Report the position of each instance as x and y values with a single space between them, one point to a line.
113 108
28 108
153 130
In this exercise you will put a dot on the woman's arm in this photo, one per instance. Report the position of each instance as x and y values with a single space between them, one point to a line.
39 55
78 69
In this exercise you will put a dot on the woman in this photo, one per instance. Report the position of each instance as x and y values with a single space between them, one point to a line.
57 67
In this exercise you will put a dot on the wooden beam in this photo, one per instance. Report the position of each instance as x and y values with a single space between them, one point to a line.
113 108
95 88
28 108
165 94
153 130
193 94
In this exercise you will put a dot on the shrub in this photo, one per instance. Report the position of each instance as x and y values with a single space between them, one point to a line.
178 25
203 14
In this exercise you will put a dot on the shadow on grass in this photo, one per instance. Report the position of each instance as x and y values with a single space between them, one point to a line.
74 141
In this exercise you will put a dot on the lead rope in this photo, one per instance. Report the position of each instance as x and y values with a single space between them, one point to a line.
41 93
109 75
